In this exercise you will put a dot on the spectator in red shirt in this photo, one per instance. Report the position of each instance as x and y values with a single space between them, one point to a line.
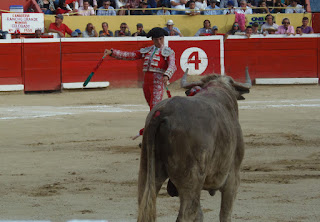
59 27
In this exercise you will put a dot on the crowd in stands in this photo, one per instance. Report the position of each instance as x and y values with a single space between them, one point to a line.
167 7
195 7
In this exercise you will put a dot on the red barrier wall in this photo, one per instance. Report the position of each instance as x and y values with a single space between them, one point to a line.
272 57
41 65
316 22
80 58
10 62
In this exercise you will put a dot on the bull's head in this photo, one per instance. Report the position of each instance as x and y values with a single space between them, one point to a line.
241 88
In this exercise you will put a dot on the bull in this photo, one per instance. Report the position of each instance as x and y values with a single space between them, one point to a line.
197 143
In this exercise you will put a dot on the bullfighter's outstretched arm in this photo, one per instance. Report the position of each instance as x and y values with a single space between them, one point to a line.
124 55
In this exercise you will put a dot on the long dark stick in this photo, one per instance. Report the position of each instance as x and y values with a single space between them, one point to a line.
91 74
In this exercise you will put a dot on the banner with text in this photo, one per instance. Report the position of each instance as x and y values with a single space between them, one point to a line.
26 23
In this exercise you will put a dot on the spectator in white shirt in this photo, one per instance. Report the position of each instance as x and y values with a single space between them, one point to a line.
86 9
178 4
194 10
230 8
94 3
296 8
201 4
213 6
245 9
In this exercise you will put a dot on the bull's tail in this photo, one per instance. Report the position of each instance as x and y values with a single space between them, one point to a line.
147 200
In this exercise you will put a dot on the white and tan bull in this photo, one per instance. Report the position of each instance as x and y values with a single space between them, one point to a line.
197 143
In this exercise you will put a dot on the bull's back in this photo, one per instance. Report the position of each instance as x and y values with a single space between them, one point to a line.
195 133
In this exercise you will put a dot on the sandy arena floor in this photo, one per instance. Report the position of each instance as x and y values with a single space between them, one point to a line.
69 156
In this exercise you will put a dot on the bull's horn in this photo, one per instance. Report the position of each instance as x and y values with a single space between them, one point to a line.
187 85
247 84
248 79
184 79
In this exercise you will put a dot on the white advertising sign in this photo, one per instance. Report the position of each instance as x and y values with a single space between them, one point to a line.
24 22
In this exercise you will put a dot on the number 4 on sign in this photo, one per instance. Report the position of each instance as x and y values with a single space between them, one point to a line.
194 58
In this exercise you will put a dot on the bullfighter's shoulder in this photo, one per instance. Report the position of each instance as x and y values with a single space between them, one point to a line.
146 49
166 51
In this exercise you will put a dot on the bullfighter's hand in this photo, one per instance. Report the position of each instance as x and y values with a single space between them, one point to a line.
165 80
107 52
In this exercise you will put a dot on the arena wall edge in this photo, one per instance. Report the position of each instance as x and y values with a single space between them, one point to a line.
45 64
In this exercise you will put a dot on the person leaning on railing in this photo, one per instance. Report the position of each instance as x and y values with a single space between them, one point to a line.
106 5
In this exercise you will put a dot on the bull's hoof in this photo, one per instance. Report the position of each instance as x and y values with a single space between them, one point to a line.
172 190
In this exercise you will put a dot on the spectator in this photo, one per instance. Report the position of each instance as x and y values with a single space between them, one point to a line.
3 34
271 31
214 30
178 4
269 3
59 27
269 23
166 3
192 9
285 28
74 5
299 30
278 3
47 6
244 8
86 9
225 3
79 32
105 32
305 28
255 28
122 32
163 11
263 8
235 29
63 8
121 4
201 4
144 5
254 3
206 30
17 34
172 31
74 34
152 4
140 31
92 3
106 5
90 31
133 3
230 8
38 33
296 8
213 5
248 31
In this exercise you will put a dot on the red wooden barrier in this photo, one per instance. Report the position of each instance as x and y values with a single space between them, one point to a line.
79 59
288 57
47 63
10 62
316 22
41 64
